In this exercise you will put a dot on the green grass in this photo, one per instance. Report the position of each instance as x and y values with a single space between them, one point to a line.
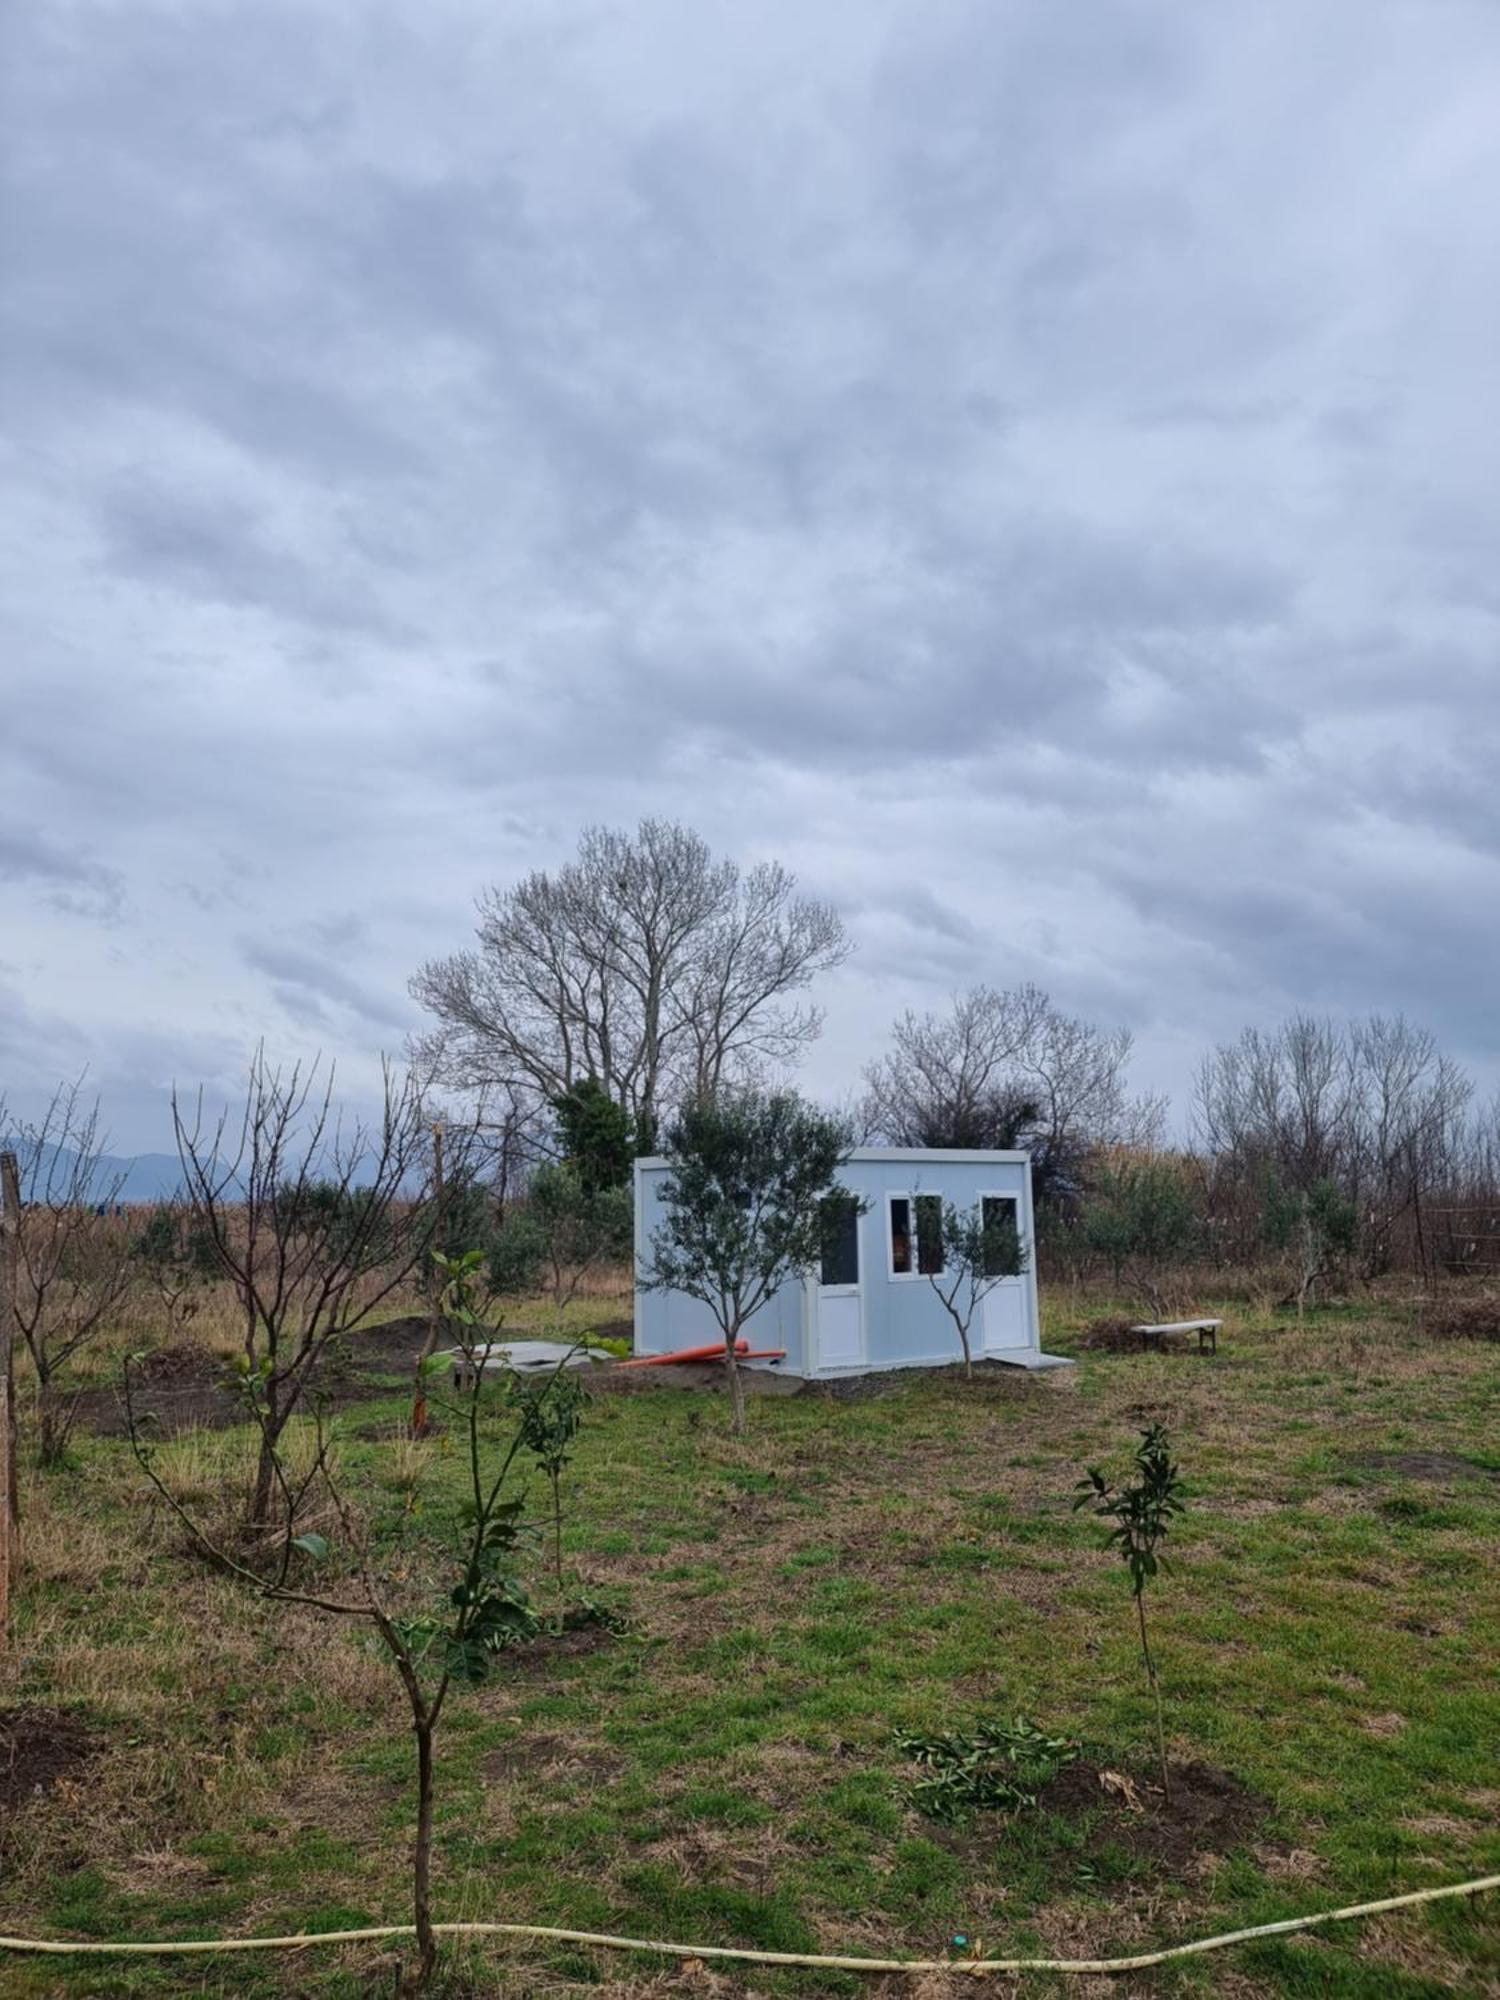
725 1773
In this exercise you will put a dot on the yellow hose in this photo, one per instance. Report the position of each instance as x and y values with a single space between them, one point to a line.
63 1948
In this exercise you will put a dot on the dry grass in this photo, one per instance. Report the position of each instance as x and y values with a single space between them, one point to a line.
728 1772
1462 1316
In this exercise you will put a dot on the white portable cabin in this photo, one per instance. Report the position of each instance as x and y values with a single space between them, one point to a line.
869 1306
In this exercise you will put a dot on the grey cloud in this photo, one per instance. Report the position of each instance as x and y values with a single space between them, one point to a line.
312 990
68 878
1020 465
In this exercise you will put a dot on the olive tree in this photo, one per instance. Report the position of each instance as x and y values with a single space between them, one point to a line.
747 1201
965 1253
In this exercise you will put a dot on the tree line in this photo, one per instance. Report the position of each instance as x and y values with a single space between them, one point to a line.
661 975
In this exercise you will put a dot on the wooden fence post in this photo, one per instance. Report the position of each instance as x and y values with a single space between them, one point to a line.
10 1503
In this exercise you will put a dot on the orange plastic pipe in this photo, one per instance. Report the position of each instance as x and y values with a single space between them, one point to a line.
714 1351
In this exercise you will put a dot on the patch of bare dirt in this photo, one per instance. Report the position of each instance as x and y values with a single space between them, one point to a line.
1208 1814
38 1747
990 1379
548 1648
182 1388
1422 1464
185 1388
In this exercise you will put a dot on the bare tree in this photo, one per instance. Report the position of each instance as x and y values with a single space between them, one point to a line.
1002 1069
1412 1104
68 1250
433 1651
1371 1108
312 1219
644 963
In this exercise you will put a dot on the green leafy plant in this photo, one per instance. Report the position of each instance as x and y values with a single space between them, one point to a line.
550 1413
1142 1512
747 1204
1140 1215
565 1230
966 1253
484 1611
598 1135
994 1767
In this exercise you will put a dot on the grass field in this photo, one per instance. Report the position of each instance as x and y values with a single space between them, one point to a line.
725 1772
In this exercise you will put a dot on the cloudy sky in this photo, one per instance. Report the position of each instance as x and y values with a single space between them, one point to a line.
1032 468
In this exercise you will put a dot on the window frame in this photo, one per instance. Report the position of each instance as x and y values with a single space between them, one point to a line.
844 1285
910 1196
1014 1198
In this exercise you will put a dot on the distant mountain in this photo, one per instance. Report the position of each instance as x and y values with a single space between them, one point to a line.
148 1177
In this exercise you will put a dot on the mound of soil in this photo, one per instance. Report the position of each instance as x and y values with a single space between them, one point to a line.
1209 1812
37 1747
547 1648
187 1388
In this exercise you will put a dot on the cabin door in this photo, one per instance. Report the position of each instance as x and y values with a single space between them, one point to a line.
1004 1307
841 1303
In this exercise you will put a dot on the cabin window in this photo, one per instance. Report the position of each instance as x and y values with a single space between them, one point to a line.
916 1235
901 1257
929 1209
1002 1236
840 1243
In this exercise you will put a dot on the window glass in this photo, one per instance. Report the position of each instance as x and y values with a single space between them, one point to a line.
929 1234
901 1261
1002 1241
840 1243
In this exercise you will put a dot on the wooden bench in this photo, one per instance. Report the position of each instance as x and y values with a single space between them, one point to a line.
1207 1331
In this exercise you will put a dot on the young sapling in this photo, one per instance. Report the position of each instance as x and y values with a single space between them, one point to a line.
1142 1513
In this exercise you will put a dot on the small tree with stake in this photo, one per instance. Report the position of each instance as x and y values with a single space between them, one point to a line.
550 1412
485 1610
747 1204
965 1254
1142 1513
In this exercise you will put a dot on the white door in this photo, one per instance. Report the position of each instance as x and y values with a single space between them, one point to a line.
841 1305
1003 1311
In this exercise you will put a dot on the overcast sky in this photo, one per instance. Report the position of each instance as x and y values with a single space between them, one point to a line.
1032 468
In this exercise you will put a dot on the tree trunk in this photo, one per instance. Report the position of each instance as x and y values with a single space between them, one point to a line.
52 1427
273 1423
736 1387
963 1340
557 1539
421 1864
435 1321
1161 1730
